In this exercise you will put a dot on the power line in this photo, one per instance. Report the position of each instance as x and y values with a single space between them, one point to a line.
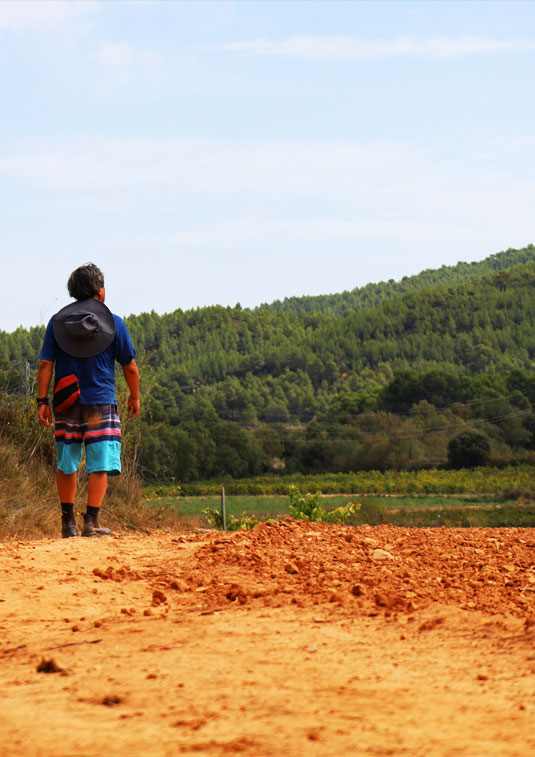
379 436
234 415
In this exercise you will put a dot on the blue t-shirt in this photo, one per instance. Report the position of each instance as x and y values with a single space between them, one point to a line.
96 375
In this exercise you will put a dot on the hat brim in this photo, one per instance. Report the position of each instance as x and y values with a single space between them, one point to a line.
92 345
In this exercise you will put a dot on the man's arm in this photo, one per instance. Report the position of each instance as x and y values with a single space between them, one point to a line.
44 376
131 374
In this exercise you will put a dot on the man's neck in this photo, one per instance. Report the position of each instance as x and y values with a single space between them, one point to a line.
100 295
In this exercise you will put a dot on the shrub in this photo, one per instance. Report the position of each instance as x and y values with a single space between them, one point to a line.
307 507
468 449
215 519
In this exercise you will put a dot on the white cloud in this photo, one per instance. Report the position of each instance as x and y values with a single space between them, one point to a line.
253 221
244 234
210 193
120 54
42 15
321 48
207 168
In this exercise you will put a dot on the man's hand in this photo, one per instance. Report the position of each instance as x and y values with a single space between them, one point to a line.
133 407
45 415
44 376
131 375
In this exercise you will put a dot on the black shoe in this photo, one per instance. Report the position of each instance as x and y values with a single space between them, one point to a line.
92 527
68 526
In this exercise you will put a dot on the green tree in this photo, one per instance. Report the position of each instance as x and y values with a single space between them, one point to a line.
468 449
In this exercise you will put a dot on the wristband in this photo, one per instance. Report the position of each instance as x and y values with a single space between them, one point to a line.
42 400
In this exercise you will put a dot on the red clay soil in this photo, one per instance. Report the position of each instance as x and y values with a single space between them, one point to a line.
292 639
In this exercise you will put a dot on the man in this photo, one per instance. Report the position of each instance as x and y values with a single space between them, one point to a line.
82 342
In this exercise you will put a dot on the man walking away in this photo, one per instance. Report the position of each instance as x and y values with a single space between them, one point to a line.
81 344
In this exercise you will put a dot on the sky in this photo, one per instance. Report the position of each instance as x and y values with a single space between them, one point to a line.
220 152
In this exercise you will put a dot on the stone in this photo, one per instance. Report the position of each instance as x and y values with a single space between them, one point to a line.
382 554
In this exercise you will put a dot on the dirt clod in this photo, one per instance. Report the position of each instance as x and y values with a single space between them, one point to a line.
49 666
112 700
428 625
158 598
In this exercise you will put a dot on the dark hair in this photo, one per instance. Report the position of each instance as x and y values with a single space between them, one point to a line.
85 282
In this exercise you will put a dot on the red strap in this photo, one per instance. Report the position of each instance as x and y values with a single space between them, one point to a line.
71 399
65 382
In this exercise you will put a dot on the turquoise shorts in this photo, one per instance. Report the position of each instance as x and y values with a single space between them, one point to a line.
95 427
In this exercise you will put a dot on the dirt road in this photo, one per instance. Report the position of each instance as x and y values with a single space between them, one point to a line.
291 639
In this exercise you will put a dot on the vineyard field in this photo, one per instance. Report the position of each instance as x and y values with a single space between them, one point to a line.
512 481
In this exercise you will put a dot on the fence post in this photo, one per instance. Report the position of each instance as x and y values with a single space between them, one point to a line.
223 509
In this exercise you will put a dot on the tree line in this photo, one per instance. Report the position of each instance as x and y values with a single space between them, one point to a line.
332 384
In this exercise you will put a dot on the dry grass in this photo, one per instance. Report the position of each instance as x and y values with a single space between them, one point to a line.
28 498
28 501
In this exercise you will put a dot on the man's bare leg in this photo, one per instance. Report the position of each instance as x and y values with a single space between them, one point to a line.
66 483
97 483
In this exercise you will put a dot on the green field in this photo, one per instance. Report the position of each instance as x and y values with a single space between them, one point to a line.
480 497
402 511
277 505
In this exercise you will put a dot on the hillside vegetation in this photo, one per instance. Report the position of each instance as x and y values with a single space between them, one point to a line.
380 377
372 295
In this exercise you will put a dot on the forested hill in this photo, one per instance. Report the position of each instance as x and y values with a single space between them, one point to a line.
236 392
372 295
281 366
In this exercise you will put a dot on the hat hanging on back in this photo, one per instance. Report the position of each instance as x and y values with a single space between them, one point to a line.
84 328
